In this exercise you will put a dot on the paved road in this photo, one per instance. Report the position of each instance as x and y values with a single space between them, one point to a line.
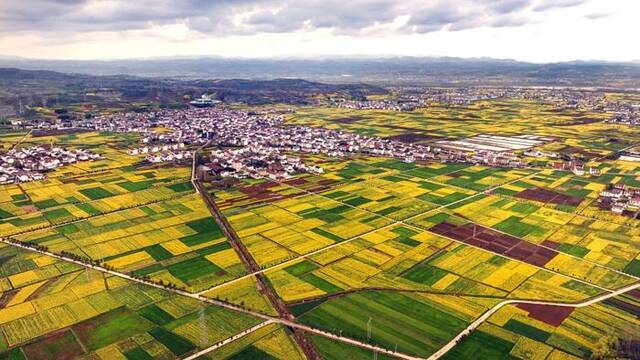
393 223
494 309
229 340
289 323
22 139
194 165
252 266
406 223
327 334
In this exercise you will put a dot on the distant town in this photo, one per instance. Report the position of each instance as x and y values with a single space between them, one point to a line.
258 144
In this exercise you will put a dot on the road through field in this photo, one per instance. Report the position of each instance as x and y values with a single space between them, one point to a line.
405 222
252 266
293 324
438 354
286 322
229 340
346 241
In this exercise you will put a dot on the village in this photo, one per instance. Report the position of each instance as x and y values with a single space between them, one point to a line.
270 142
258 144
621 199
28 164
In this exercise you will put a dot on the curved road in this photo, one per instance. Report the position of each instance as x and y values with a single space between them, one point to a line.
327 334
438 354
225 305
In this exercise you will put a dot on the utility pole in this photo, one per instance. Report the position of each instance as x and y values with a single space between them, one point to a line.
203 327
369 329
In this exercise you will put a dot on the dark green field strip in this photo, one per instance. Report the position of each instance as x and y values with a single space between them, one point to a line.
425 274
336 350
114 326
251 353
514 226
224 245
633 267
417 327
301 268
443 200
45 204
158 252
192 269
13 354
526 330
181 186
480 345
95 193
156 315
175 343
320 283
327 234
137 353
301 308
355 170
206 230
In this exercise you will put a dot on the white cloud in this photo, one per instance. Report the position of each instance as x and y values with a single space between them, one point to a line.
535 30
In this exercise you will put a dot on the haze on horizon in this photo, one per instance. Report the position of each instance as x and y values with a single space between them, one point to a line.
526 30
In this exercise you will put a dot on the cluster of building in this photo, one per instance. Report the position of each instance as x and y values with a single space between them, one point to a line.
28 164
592 100
575 166
256 162
624 113
621 199
133 122
259 143
401 104
462 95
161 152
168 156
630 155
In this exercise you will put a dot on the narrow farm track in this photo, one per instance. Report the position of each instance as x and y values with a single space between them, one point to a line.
22 139
438 354
252 266
289 323
377 288
229 340
405 223
346 241
295 325
168 197
53 226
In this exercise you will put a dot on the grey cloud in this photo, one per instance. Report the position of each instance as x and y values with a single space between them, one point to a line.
600 15
546 5
220 17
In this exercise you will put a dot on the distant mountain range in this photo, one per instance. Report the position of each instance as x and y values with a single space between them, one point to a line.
44 87
397 70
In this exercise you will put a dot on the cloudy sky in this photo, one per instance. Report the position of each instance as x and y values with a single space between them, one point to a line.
531 30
